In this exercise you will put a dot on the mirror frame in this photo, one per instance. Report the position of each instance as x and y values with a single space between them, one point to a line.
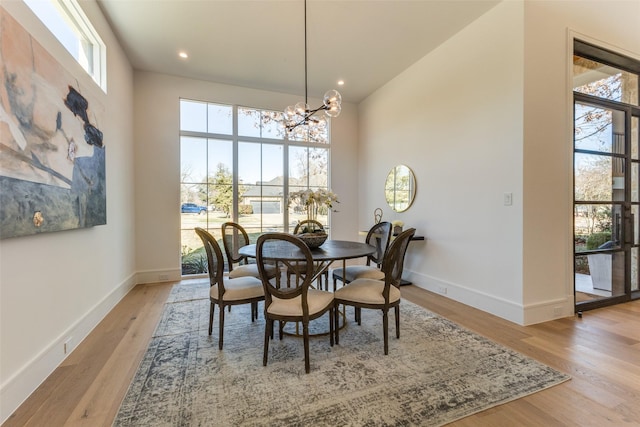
400 188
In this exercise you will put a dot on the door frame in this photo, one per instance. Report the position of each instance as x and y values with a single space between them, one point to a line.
629 233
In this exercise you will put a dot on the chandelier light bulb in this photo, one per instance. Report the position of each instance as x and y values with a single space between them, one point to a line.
333 110
301 108
332 97
290 112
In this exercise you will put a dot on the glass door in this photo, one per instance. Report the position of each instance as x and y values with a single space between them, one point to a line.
606 162
603 212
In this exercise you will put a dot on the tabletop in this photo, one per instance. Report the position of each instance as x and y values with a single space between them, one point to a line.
331 250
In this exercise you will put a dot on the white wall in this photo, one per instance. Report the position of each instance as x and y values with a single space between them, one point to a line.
157 172
488 113
548 136
455 118
58 286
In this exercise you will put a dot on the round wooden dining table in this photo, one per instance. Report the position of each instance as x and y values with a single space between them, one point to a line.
323 256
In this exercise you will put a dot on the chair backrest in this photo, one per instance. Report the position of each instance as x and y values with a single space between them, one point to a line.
309 224
234 237
215 262
379 236
270 248
394 259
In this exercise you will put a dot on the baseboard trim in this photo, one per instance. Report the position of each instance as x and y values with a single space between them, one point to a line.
500 307
549 310
514 312
158 276
24 382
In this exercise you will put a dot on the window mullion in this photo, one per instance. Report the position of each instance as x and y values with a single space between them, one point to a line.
235 180
285 185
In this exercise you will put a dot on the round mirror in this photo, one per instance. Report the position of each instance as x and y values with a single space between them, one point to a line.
400 188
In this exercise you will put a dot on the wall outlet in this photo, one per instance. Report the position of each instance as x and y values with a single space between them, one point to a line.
442 290
508 199
163 277
557 311
66 346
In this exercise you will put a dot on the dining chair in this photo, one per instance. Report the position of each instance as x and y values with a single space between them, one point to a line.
378 236
297 302
299 228
234 236
378 294
226 291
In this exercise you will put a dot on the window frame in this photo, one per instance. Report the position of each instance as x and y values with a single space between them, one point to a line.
92 51
237 138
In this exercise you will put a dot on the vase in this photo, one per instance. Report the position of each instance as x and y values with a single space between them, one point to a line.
313 240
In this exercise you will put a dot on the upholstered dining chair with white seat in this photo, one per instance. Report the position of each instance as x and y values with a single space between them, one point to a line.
298 301
225 291
234 236
378 294
304 226
378 236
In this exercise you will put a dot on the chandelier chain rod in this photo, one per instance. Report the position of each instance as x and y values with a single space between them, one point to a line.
299 115
306 99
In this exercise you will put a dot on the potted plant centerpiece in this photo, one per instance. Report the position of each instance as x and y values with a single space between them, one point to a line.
310 232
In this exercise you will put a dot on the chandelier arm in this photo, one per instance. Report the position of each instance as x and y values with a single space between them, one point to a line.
312 112
306 117
295 125
304 121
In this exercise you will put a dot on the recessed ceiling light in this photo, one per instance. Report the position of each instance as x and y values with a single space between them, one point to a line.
340 82
183 55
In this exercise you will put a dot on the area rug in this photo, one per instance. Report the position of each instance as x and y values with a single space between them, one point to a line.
436 373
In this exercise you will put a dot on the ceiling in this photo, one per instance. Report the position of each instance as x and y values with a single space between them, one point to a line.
260 44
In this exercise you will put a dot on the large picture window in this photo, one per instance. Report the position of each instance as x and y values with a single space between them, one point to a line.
239 164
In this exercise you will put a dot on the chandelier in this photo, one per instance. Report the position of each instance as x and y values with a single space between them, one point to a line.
301 114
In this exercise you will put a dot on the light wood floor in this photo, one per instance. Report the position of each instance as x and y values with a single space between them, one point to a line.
601 352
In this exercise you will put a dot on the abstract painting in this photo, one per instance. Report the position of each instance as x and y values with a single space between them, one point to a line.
52 153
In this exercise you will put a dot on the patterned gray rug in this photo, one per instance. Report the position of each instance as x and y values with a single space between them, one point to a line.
435 374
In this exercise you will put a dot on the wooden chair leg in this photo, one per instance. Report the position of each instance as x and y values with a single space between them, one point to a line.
221 321
397 321
271 331
281 329
254 311
336 312
268 332
212 308
385 330
305 334
331 322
